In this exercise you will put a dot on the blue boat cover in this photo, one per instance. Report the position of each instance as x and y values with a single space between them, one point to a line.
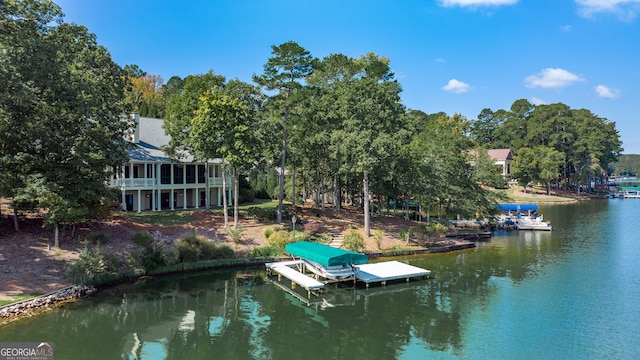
517 207
325 255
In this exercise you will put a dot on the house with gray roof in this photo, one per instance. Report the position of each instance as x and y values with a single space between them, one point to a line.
152 181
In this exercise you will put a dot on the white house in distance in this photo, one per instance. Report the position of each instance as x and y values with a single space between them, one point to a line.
502 157
152 181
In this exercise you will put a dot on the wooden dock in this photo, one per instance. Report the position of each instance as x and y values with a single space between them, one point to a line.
387 271
284 268
381 272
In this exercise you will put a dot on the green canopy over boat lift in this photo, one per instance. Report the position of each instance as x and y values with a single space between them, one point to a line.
325 255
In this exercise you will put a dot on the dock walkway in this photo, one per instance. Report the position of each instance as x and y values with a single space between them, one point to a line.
283 268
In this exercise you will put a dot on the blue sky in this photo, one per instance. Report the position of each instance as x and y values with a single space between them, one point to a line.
456 56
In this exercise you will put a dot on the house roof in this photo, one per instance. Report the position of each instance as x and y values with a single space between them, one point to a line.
151 143
500 154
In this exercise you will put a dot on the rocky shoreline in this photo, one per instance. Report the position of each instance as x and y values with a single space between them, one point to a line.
44 302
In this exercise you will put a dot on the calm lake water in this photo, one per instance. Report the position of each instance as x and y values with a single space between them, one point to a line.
573 293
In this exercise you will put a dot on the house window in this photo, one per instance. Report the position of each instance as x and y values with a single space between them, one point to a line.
201 172
127 172
177 174
191 174
150 171
165 174
135 172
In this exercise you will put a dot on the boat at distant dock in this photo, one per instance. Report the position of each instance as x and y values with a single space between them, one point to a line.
521 217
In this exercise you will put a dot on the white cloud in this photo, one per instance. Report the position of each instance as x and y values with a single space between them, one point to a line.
605 92
440 60
449 3
565 28
456 86
551 78
537 101
626 9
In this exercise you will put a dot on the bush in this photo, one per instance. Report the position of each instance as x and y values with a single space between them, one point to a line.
262 214
378 235
143 239
405 235
195 248
235 235
312 227
268 232
91 266
222 252
353 241
266 251
151 255
262 194
280 239
97 238
441 228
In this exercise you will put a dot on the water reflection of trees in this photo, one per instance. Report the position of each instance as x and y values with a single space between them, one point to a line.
239 315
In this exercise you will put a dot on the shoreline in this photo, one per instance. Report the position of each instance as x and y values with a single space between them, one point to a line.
39 304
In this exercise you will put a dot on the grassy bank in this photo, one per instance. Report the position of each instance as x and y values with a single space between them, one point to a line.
536 195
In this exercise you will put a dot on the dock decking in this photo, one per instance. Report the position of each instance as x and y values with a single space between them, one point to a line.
283 268
386 271
367 273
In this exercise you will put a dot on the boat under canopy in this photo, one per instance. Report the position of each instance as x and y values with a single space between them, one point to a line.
325 255
517 207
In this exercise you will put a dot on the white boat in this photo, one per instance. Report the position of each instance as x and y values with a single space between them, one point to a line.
532 223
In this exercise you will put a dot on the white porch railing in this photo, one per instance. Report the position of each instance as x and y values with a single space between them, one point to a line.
135 183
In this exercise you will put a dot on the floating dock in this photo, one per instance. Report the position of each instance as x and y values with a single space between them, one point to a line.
387 271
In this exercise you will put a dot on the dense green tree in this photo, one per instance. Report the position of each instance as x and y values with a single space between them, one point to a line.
285 69
61 100
180 112
482 130
224 125
522 168
369 108
626 165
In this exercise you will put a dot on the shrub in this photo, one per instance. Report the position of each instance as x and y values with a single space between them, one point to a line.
353 241
222 252
312 227
143 239
268 232
195 248
441 228
266 251
97 238
378 235
280 239
235 235
405 235
151 255
262 213
91 266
